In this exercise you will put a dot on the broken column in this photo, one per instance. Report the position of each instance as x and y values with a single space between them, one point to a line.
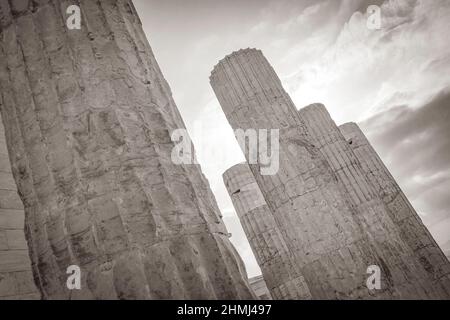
88 117
16 278
400 265
281 272
317 220
412 229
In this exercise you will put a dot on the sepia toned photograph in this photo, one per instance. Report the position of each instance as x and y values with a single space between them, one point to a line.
240 151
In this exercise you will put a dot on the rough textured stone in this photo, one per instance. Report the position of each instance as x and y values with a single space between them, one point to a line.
411 279
412 229
260 288
317 220
16 281
88 117
277 263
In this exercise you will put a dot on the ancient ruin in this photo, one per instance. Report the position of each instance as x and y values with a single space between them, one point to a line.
332 218
88 117
88 179
260 288
412 229
281 273
404 267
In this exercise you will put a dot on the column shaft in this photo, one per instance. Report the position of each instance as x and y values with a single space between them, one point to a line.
412 229
277 263
306 200
88 117
397 261
16 277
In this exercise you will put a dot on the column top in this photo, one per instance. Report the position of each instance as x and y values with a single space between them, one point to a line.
237 53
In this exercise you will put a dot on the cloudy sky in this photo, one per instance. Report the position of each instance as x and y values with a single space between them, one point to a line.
394 82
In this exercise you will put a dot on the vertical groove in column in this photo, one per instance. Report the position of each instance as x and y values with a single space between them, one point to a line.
30 166
45 64
412 229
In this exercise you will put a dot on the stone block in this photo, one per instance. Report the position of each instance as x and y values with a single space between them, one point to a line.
11 219
14 260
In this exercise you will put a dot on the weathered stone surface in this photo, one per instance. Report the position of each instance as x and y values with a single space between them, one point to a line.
412 229
260 288
277 263
12 219
16 281
5 167
316 218
88 117
411 281
9 199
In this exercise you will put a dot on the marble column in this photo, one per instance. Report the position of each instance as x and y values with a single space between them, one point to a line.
16 278
412 229
400 266
307 201
88 119
280 271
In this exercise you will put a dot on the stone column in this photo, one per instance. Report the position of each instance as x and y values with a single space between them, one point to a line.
278 266
412 229
16 278
400 266
330 247
88 117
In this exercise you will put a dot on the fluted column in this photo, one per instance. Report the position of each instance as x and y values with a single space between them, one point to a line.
412 229
16 278
408 277
88 117
315 217
281 273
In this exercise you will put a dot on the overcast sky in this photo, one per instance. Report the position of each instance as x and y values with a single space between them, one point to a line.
394 82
